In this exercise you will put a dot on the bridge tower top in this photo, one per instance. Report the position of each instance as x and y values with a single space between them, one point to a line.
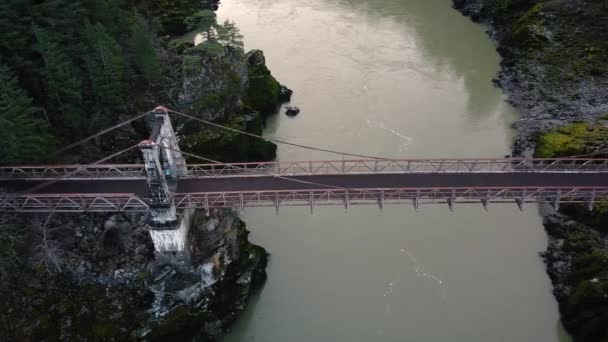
164 164
162 134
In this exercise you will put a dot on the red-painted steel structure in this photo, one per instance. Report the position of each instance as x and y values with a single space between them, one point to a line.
311 183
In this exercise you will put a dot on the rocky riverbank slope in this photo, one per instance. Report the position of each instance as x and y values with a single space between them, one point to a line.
555 72
97 277
94 278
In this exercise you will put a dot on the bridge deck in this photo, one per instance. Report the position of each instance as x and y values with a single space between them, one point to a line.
319 182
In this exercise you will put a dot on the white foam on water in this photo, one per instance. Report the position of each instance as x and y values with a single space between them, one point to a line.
419 269
169 240
406 141
173 240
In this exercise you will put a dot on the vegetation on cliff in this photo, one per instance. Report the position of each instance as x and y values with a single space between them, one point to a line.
569 37
85 277
555 71
223 83
578 266
584 305
571 140
80 62
71 68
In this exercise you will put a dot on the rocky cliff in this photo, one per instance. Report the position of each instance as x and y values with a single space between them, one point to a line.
554 71
93 278
232 88
97 277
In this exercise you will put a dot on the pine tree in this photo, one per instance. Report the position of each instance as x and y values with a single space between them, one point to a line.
229 35
61 76
173 12
25 136
112 14
107 67
15 38
204 20
142 46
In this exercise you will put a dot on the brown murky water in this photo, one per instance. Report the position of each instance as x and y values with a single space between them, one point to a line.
399 78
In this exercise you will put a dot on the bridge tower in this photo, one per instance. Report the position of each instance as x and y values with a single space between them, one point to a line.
164 164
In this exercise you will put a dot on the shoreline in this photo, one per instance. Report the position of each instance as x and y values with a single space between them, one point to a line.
559 97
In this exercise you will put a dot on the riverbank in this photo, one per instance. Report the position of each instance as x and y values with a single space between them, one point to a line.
554 72
98 277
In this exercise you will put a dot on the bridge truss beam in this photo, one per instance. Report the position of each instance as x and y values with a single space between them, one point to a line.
308 198
326 167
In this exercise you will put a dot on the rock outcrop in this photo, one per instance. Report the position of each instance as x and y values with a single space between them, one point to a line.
232 88
111 286
554 71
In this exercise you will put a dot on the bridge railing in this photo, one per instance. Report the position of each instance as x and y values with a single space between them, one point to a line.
73 203
323 167
72 171
329 167
415 196
311 198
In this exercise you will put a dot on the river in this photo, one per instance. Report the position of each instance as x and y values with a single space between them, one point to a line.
394 78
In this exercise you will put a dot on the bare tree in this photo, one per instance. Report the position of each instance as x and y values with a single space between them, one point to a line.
48 252
10 236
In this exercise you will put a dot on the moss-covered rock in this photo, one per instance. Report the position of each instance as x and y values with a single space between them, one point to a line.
233 89
574 139
263 91
227 146
528 30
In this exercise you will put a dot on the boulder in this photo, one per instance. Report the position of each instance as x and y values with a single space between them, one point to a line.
292 110
285 94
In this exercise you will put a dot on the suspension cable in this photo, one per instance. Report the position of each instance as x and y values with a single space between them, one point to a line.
271 174
102 132
277 140
70 174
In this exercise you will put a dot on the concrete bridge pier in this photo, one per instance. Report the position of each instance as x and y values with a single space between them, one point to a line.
164 164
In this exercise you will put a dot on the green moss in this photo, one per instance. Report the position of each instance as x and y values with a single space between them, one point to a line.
229 146
527 31
263 93
573 139
264 90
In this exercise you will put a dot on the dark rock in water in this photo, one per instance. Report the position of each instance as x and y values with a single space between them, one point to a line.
292 110
285 94
263 91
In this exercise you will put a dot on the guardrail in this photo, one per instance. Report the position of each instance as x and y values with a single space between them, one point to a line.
398 166
310 198
324 167
72 171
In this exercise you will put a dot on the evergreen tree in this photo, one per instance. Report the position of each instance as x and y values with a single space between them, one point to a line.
107 67
204 20
15 40
173 12
142 46
63 84
25 136
229 35
110 13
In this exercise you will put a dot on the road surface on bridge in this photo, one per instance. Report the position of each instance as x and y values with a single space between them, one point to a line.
319 182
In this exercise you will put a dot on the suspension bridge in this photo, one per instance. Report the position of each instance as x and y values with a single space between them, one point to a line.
165 185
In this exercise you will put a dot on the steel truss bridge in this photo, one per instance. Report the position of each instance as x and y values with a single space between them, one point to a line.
126 188
165 183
